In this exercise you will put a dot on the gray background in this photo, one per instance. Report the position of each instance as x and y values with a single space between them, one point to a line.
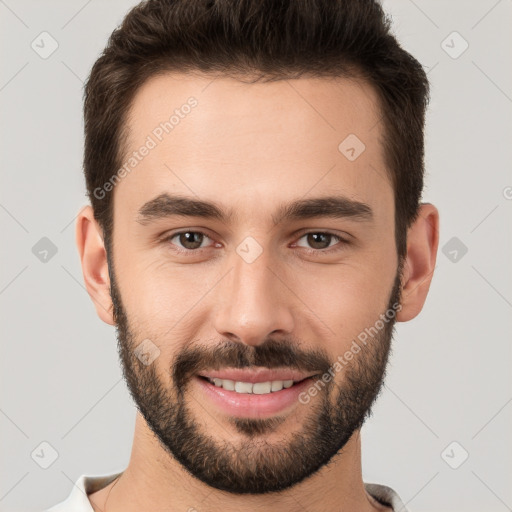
449 378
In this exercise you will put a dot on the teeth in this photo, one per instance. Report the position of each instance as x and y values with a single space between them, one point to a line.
261 388
243 387
227 384
277 385
258 388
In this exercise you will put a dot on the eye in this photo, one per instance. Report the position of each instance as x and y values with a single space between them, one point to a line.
194 241
189 240
320 241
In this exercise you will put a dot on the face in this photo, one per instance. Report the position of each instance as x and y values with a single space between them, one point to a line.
249 252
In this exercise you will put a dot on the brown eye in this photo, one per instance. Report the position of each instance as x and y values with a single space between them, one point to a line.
320 241
191 240
188 240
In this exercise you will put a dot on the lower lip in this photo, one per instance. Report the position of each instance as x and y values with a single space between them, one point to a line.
249 405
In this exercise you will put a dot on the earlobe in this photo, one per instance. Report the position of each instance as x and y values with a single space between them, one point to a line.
420 262
93 257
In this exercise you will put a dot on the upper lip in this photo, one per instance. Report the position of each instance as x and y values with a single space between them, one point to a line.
258 375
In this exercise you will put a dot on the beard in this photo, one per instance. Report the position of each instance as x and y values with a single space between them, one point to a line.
253 465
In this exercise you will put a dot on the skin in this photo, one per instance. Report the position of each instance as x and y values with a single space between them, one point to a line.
251 147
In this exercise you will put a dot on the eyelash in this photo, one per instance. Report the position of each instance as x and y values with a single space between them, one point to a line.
302 235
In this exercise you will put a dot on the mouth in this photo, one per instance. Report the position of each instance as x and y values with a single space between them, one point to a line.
256 388
254 394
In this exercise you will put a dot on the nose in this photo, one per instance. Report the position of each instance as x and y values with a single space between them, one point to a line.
254 302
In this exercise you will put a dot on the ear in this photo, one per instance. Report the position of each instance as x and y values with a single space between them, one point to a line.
91 248
422 242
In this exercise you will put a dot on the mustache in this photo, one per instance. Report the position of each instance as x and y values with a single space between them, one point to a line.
270 354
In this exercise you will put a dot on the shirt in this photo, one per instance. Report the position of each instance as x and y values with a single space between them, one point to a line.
77 501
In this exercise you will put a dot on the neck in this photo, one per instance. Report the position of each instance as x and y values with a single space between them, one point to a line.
154 480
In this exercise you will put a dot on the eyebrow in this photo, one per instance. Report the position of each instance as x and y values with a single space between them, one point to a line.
338 207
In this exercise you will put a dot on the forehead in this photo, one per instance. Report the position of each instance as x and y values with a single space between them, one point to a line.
212 136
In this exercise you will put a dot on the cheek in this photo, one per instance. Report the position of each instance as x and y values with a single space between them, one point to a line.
348 300
163 300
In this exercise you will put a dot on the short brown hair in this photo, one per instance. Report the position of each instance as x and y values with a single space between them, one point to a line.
269 40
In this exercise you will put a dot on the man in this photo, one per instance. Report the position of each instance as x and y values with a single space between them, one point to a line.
255 231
